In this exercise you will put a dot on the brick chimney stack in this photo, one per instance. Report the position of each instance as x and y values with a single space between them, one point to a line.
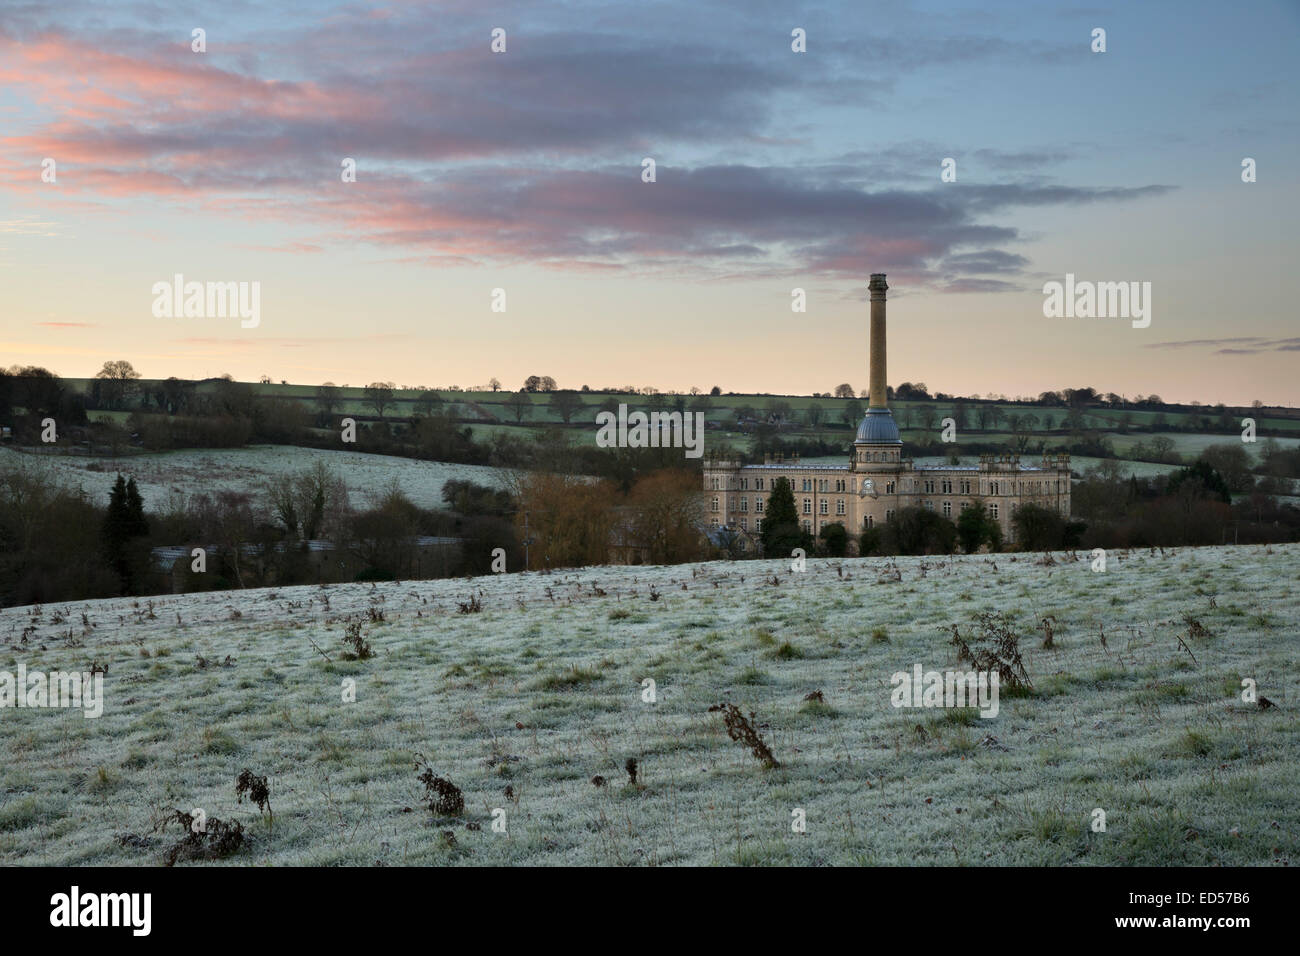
877 384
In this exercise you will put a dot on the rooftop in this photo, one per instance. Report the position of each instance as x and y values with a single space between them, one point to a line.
878 427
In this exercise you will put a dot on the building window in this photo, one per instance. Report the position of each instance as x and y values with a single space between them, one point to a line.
929 486
823 507
927 504
744 484
758 505
807 507
715 503
947 486
839 506
758 484
868 522
993 509
744 504
807 484
889 514
889 487
715 484
807 526
744 524
947 509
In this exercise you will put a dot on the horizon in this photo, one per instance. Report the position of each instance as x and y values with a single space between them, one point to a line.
775 170
586 388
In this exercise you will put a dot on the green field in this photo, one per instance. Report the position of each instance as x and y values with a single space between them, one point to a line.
488 415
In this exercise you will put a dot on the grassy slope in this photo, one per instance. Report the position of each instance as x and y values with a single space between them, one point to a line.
1162 744
192 470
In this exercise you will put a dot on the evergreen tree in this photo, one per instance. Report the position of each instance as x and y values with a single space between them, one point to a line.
835 539
1200 480
124 527
781 533
136 524
117 519
976 527
919 531
972 528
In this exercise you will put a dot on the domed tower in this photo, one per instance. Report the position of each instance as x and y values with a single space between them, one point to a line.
877 446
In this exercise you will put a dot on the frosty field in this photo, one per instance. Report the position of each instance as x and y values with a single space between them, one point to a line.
541 691
163 474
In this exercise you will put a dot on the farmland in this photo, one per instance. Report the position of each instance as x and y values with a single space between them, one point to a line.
521 703
191 471
506 427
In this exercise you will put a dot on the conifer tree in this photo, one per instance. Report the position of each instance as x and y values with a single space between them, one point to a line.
136 524
117 518
781 532
124 523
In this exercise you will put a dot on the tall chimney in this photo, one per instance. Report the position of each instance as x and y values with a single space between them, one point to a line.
877 392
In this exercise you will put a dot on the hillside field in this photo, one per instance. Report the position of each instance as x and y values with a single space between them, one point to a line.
523 703
189 471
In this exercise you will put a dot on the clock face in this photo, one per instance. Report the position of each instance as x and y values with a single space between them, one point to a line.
868 484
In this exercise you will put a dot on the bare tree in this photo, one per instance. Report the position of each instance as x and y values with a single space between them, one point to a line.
120 379
565 404
306 501
519 404
427 402
328 398
852 412
379 396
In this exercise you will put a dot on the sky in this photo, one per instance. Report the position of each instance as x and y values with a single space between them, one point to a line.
774 170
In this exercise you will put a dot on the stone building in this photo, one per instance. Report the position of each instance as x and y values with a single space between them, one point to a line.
879 480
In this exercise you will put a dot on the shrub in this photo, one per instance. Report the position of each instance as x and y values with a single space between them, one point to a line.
743 729
217 839
443 798
919 531
258 792
996 648
361 649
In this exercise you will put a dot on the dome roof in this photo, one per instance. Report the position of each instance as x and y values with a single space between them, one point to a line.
878 428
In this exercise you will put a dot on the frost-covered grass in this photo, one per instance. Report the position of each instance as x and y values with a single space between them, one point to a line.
542 690
189 471
1084 464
